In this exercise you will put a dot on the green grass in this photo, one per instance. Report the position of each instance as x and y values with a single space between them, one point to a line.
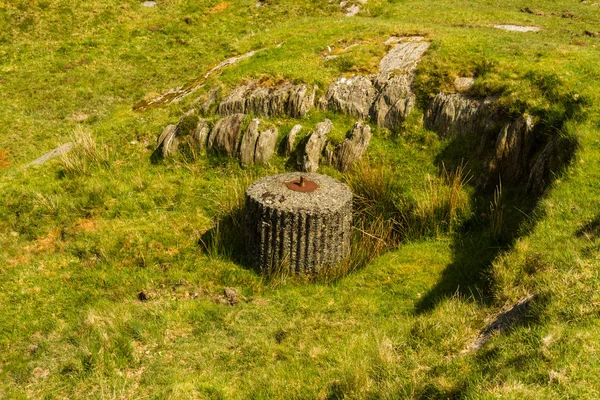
81 237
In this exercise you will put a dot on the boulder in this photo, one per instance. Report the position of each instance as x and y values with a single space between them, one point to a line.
301 100
314 146
265 146
235 102
248 145
290 140
352 149
168 142
225 135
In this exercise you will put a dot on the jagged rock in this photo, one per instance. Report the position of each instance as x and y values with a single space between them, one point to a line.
168 142
265 146
285 99
200 135
352 96
186 132
555 155
462 84
394 102
386 96
290 140
512 150
301 100
235 102
353 147
210 100
403 58
315 145
248 145
455 114
225 135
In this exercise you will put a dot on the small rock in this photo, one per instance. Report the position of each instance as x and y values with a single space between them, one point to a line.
265 146
231 295
568 14
290 140
200 135
591 34
462 84
315 145
149 3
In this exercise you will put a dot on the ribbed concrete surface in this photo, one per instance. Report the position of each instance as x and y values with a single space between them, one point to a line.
301 233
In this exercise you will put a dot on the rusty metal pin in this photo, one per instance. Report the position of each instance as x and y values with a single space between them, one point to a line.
302 185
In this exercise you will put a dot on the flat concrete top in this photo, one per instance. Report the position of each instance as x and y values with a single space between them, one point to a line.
272 191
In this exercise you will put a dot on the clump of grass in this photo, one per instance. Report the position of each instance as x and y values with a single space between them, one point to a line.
84 155
225 238
443 206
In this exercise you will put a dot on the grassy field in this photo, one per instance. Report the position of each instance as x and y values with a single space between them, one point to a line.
80 242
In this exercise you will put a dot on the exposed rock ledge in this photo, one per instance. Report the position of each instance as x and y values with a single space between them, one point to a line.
385 97
285 99
511 150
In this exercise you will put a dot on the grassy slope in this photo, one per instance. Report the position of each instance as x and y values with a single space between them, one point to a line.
76 250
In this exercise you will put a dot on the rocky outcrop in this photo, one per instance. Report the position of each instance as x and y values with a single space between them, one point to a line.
285 99
352 149
225 135
265 146
290 140
352 96
314 146
455 114
387 96
511 150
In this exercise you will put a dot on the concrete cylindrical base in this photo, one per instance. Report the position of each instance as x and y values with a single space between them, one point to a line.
295 231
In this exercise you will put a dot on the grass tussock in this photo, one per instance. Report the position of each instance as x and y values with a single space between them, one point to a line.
4 163
85 154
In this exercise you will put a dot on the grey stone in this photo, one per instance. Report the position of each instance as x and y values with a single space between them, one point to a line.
200 135
452 115
235 102
168 142
149 3
265 146
387 96
352 96
284 99
60 150
225 135
352 149
290 139
248 145
289 232
315 145
394 102
512 150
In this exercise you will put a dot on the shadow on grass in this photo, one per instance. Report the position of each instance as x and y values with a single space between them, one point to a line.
499 219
